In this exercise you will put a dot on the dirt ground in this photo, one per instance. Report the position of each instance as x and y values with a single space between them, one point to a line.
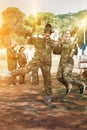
22 107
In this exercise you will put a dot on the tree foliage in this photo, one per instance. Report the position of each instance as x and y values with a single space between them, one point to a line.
18 26
12 19
12 24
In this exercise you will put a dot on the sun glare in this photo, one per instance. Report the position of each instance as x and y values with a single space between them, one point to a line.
0 21
83 23
35 12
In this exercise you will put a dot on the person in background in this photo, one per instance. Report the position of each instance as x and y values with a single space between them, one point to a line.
22 61
68 48
12 60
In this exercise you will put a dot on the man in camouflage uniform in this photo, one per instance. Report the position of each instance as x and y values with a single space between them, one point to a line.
64 74
22 60
42 59
12 60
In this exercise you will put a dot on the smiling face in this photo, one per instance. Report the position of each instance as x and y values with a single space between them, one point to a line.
67 35
47 34
47 31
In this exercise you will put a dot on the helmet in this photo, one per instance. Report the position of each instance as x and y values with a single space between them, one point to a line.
48 27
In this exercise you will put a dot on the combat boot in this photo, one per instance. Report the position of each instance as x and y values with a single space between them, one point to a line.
48 100
82 88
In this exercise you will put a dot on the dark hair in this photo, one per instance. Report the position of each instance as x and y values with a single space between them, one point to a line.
48 27
21 48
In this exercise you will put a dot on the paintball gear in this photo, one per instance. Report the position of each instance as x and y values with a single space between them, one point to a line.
48 27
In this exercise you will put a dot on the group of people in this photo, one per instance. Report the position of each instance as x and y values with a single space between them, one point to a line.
44 47
16 60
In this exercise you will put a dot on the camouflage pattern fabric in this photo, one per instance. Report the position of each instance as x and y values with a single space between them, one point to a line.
64 73
35 77
42 60
22 60
12 62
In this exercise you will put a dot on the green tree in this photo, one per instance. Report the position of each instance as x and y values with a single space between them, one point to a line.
12 20
12 24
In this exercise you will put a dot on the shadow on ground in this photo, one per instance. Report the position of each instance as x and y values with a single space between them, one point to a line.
22 107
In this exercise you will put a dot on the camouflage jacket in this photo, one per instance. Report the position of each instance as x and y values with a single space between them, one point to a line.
11 58
68 50
22 60
43 49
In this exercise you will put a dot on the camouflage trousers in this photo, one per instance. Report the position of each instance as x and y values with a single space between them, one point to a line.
11 66
33 65
21 79
12 80
64 75
35 77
